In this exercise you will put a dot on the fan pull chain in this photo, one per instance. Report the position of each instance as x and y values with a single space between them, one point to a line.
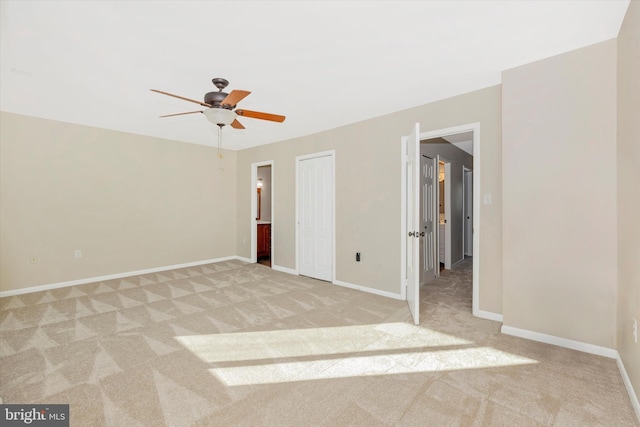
219 141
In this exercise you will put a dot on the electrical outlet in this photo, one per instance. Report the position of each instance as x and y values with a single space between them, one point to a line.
77 253
635 330
33 260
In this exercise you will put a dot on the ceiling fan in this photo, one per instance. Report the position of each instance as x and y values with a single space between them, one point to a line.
221 108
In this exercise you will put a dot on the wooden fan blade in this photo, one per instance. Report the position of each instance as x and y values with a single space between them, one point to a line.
237 125
259 115
181 114
234 97
182 97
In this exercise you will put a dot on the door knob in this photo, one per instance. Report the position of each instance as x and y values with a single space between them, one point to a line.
411 234
422 234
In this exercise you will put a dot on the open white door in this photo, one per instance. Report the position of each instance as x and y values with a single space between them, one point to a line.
412 236
428 213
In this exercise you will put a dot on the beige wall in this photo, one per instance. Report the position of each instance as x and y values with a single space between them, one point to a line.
368 195
129 202
559 195
457 158
628 157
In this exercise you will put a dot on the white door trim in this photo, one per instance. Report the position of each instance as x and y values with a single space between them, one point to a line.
332 154
475 127
254 210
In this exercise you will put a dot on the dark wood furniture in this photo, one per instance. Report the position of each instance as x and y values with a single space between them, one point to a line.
264 241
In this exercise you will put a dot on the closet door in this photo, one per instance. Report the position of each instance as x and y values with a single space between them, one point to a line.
315 217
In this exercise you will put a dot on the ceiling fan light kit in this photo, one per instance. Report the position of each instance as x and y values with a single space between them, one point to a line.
220 116
220 108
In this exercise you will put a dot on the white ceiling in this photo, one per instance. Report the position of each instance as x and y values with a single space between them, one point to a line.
322 64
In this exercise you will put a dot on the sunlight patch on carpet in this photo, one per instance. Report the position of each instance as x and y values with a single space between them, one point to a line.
260 345
358 366
267 357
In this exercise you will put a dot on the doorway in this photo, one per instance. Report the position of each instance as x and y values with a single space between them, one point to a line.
444 214
472 133
262 213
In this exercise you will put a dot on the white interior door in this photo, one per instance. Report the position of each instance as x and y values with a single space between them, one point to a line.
468 212
412 237
447 215
428 205
438 235
315 217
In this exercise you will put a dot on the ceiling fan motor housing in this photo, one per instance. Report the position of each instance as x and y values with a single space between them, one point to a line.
215 98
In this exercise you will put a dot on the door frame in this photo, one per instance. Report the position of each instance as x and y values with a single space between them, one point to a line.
332 155
254 210
475 128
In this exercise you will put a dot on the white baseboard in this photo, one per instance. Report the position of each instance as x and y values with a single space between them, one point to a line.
627 383
488 315
243 259
284 269
344 284
561 342
112 276
584 347
369 290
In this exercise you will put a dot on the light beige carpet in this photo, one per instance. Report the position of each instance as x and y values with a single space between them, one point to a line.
240 344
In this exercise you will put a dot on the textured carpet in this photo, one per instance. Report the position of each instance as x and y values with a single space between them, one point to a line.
240 344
